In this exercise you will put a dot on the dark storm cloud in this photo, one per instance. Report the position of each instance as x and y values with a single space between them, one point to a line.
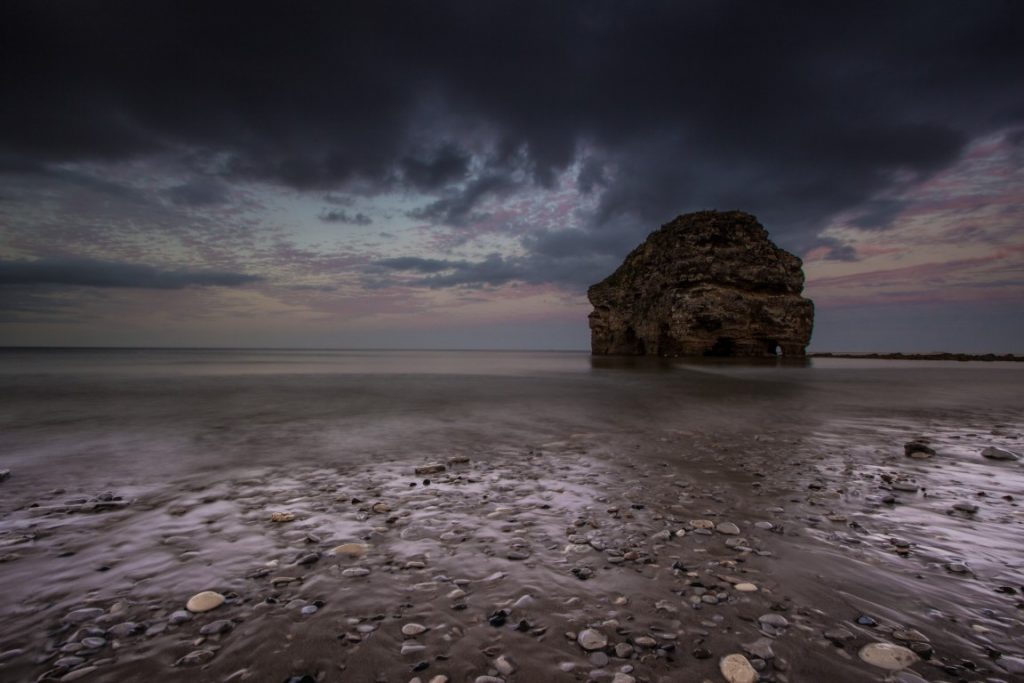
342 216
94 273
536 268
878 214
794 111
838 251
199 192
457 206
447 165
493 270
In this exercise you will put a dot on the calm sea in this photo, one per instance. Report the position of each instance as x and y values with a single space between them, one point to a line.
92 414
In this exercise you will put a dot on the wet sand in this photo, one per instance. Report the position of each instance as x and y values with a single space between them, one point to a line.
506 563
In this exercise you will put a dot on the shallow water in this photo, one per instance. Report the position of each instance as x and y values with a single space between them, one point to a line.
201 445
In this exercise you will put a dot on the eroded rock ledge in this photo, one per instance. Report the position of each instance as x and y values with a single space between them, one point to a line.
707 283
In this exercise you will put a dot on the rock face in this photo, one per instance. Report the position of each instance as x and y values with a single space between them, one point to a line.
708 283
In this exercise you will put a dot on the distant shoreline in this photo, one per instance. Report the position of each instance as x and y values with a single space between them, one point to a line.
923 356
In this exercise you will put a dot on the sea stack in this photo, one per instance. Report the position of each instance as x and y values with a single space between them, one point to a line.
709 283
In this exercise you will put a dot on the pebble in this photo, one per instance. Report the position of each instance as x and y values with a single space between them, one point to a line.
992 453
745 587
736 668
413 629
728 528
969 508
93 642
86 614
217 627
410 647
645 641
524 602
623 678
78 674
772 624
888 656
204 602
918 450
179 617
308 559
355 571
281 517
124 629
351 549
432 468
598 658
309 610
839 635
504 665
68 662
195 657
760 648
592 639
623 650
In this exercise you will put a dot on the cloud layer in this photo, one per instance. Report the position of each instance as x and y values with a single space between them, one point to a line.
429 152
91 273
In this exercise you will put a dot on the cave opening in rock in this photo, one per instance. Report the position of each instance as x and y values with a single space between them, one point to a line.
634 342
724 346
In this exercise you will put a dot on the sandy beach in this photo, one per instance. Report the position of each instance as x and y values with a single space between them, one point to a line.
593 521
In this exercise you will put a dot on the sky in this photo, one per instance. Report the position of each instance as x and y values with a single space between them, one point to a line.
455 174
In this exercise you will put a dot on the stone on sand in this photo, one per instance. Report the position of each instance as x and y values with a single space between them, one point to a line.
736 668
413 629
888 656
204 602
282 517
351 549
918 450
992 453
592 639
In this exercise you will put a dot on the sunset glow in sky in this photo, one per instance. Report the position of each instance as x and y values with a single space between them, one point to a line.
454 175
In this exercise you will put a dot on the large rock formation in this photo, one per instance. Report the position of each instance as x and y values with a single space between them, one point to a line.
708 283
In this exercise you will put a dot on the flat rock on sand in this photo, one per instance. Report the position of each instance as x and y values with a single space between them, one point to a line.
993 453
351 549
888 656
204 602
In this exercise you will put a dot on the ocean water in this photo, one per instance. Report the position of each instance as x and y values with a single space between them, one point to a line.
88 413
140 477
